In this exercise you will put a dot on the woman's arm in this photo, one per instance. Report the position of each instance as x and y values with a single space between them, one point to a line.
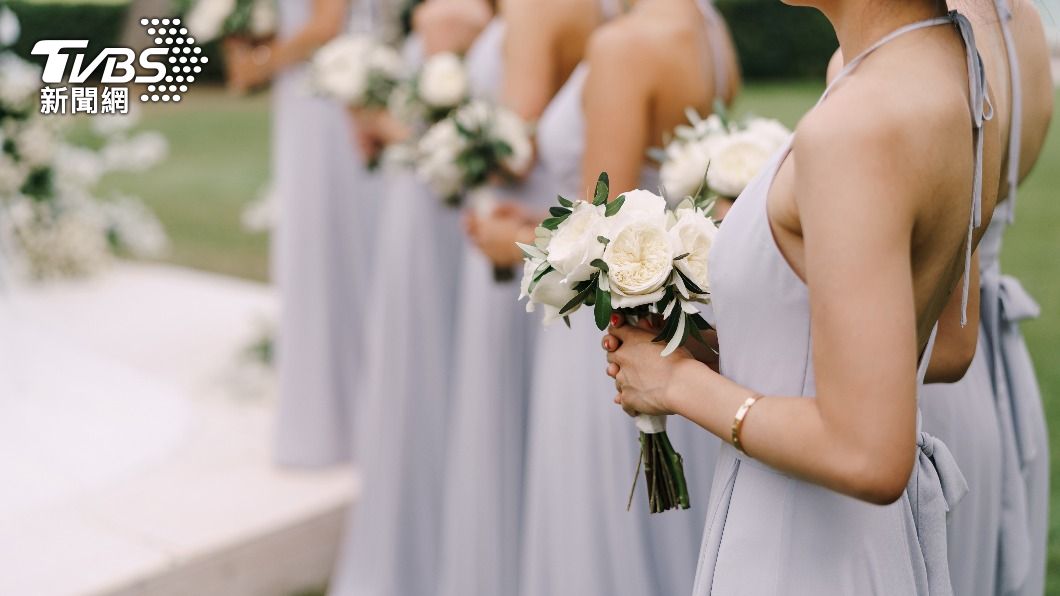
616 102
252 66
856 435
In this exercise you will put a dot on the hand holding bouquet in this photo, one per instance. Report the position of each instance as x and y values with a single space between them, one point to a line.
439 87
636 257
716 156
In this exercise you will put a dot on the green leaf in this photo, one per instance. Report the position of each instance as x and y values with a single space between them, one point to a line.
599 264
603 240
602 309
602 189
613 207
578 299
688 283
566 320
682 256
670 327
566 203
552 223
559 211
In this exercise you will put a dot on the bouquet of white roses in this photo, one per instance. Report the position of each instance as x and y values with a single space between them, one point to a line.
458 155
715 156
440 86
210 19
635 256
357 70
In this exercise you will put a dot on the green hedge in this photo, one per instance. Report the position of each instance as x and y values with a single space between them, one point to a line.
775 40
100 22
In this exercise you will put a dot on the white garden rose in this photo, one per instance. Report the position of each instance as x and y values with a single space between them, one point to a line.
438 151
693 234
736 162
550 291
443 82
638 206
9 26
512 130
263 18
340 68
770 132
685 169
36 143
20 82
206 18
12 175
574 244
639 260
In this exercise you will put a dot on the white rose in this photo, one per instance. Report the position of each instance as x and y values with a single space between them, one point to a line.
574 244
386 61
12 175
438 151
550 291
639 260
512 130
339 68
9 27
206 18
20 82
263 18
443 81
770 132
693 234
736 162
684 170
36 143
638 206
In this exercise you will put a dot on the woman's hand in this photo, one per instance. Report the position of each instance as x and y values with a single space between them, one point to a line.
246 65
374 130
642 374
496 234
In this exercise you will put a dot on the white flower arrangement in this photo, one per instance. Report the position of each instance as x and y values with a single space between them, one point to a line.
477 142
357 70
714 156
47 201
634 256
208 20
440 86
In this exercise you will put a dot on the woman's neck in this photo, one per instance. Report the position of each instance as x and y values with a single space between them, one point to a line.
860 23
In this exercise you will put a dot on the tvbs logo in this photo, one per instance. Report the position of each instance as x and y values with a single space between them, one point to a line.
166 68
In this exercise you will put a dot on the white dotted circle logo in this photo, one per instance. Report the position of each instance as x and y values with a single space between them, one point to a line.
183 57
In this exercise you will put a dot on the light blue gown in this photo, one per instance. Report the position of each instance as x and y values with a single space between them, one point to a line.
392 536
482 515
320 264
993 418
768 533
583 451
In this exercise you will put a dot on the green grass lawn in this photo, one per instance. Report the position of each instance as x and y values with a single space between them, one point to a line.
219 162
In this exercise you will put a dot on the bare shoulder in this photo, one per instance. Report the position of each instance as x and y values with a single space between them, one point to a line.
886 124
557 15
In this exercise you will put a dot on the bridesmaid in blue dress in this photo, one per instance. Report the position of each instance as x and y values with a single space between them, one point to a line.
482 515
581 458
841 493
391 546
322 239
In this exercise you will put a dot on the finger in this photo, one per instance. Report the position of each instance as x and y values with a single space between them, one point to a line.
629 410
617 320
610 343
611 358
613 370
645 324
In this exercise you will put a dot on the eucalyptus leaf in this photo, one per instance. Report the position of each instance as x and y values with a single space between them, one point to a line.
602 309
602 189
614 206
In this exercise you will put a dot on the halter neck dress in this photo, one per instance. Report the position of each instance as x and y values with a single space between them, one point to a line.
320 263
768 533
582 451
391 543
992 419
483 496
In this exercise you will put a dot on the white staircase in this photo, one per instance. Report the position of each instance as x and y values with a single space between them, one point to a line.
134 448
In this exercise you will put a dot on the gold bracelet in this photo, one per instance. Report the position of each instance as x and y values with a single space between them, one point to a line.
737 421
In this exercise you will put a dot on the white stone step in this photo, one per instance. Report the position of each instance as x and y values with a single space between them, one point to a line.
132 458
